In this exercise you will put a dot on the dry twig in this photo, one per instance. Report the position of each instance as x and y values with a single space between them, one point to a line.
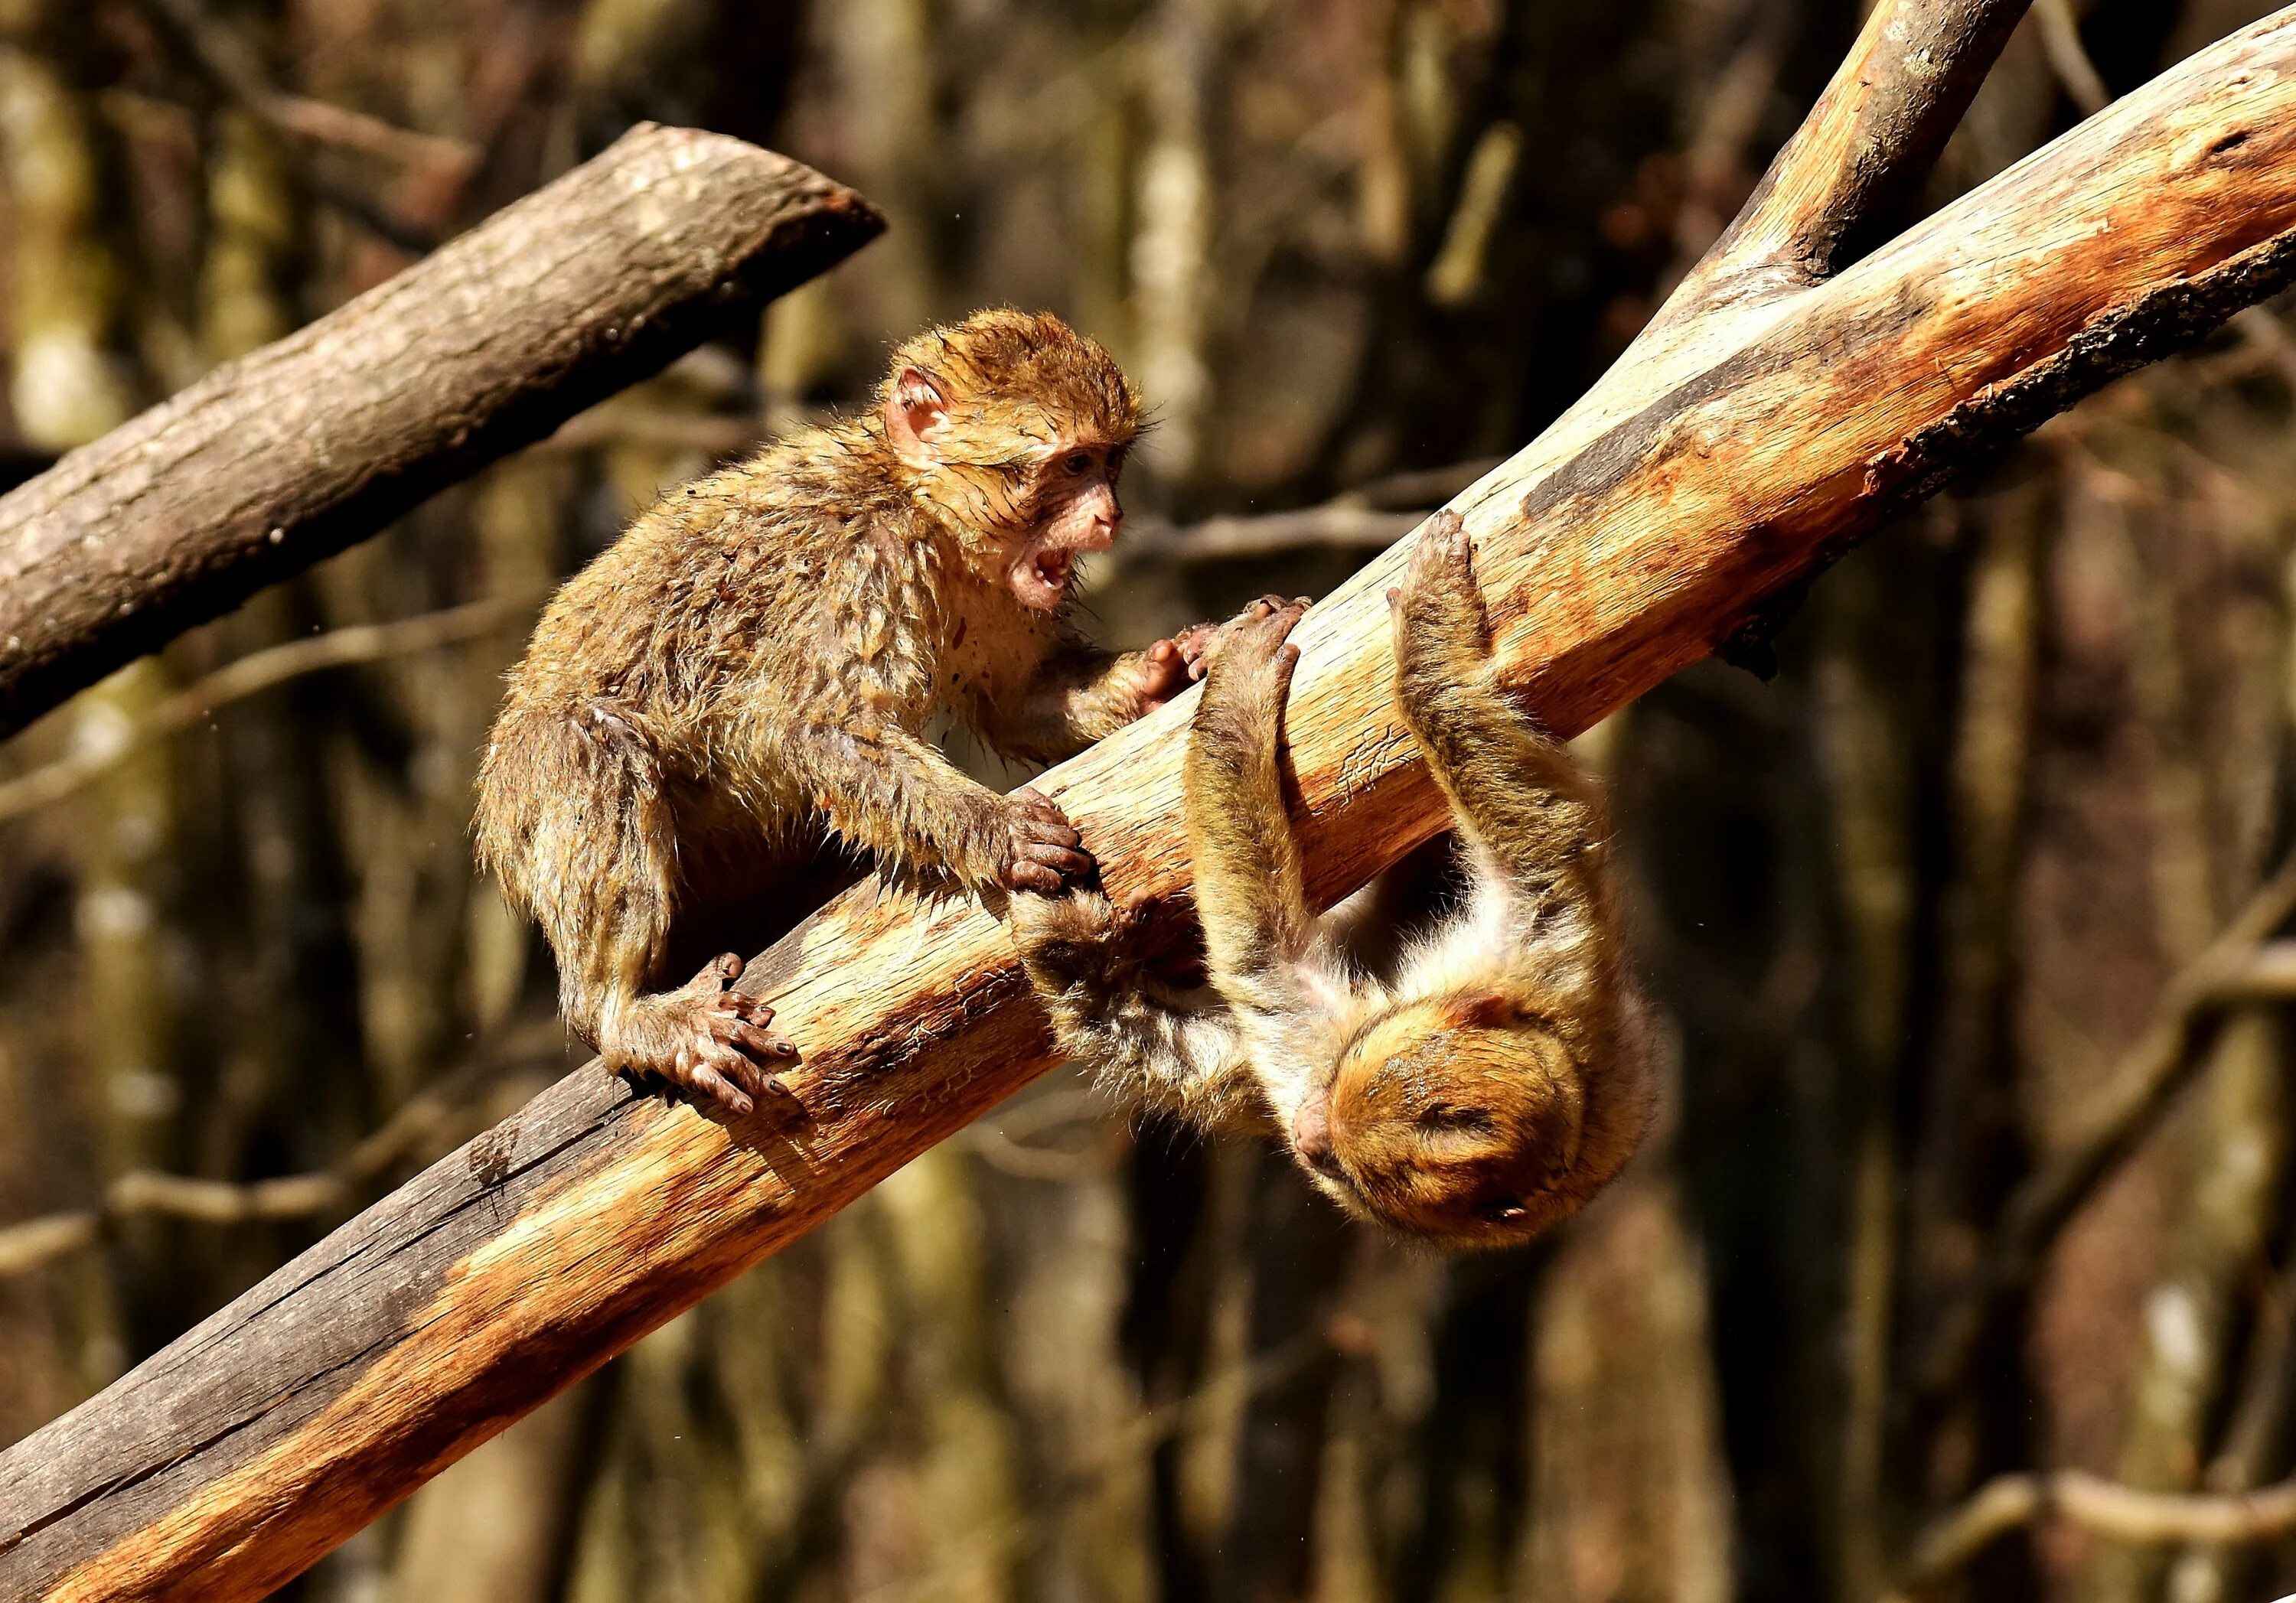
92 759
2237 968
2007 1502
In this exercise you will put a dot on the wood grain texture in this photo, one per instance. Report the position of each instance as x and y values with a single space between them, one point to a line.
295 451
1721 460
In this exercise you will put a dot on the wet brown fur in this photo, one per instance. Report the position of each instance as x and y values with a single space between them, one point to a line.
1498 1076
746 678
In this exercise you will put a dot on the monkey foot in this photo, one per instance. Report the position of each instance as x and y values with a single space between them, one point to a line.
1440 599
1170 666
1254 652
723 1050
1043 852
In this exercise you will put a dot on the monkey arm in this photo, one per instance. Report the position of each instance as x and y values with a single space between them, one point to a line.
879 787
1081 695
1141 1040
1528 810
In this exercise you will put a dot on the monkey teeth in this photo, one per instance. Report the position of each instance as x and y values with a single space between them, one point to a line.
1052 570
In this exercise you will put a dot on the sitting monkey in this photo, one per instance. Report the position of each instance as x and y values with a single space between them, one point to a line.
1496 1081
750 670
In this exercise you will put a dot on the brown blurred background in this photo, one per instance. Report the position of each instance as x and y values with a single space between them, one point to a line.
1914 911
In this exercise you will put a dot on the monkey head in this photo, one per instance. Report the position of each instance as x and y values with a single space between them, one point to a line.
1013 429
1457 1118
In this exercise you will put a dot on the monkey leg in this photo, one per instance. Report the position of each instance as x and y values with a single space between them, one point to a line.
1138 1039
1250 886
1519 795
592 848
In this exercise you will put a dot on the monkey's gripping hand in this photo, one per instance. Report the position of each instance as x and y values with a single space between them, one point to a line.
1186 657
714 1040
1043 852
1074 946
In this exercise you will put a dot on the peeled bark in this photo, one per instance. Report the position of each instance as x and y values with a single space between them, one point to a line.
316 441
1730 454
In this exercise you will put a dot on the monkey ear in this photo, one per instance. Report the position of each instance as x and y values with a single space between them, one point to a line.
916 416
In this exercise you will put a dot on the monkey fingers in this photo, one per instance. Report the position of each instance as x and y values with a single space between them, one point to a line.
1043 851
1253 658
1208 635
725 1052
1168 667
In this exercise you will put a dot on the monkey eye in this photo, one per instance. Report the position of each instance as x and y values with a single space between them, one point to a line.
1449 1116
1502 1210
1077 462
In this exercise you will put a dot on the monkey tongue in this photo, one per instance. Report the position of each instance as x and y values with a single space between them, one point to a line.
1043 579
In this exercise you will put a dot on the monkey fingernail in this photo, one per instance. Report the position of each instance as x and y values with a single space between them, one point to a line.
712 1083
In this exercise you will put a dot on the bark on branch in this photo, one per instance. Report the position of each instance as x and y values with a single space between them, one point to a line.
287 455
1727 455
1859 156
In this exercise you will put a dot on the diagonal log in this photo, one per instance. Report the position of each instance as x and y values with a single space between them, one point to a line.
1727 456
292 452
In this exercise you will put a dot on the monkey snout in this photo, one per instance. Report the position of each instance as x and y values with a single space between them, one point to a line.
1311 1134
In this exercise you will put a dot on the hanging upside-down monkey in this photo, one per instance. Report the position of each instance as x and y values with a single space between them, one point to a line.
752 667
1493 1082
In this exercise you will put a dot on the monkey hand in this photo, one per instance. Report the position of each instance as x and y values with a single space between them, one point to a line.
1043 852
1168 667
1175 663
722 1049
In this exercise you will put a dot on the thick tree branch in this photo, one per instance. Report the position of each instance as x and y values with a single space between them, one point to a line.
1711 467
287 455
1859 158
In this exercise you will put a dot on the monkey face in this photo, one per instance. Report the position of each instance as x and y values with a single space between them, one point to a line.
1076 511
1025 497
1014 427
1462 1132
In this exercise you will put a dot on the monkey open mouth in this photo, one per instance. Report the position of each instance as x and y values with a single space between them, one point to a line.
1041 578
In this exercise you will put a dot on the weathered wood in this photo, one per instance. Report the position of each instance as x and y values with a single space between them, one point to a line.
1858 156
1722 459
295 451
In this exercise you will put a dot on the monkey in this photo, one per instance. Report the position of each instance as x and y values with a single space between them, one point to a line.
743 682
1491 1083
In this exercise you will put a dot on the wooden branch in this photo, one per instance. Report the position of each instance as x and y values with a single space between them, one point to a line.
1860 157
1710 468
2008 1501
288 454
